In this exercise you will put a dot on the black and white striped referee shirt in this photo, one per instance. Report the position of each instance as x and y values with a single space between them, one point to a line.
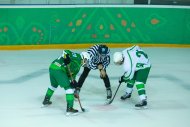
95 58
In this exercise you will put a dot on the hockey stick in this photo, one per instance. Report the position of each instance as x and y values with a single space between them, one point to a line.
80 104
114 94
78 95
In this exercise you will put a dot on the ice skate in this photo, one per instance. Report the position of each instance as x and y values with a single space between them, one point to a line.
109 96
46 102
71 111
141 105
107 101
109 93
125 96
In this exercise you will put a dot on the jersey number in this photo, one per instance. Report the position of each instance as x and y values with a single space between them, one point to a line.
139 53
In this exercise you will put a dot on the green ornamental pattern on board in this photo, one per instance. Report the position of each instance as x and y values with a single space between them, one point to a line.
33 26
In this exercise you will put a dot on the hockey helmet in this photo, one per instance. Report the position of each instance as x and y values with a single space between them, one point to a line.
118 58
103 50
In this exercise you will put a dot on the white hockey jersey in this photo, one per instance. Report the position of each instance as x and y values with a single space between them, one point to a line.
134 59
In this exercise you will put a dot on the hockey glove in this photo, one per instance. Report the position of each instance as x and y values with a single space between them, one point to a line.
121 79
76 92
66 59
74 84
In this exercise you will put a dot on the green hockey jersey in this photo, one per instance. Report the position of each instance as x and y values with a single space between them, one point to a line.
74 65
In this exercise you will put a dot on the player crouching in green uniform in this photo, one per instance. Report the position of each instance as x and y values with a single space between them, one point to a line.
62 72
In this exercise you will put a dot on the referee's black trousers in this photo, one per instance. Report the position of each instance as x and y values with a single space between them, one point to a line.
85 74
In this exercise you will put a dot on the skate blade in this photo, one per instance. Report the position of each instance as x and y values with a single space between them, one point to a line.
141 108
71 114
44 106
107 102
124 99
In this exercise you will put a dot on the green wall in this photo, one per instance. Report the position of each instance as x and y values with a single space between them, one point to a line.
30 26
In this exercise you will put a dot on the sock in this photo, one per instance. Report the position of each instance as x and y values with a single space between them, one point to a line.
49 93
141 90
70 100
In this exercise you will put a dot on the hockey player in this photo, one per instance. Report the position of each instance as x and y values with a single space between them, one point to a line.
99 59
60 72
136 67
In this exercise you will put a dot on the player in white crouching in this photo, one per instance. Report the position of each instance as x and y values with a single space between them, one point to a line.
136 67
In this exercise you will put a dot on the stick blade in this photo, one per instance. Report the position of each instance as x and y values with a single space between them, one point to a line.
108 102
84 110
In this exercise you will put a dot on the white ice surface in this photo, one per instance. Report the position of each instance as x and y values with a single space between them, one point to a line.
24 80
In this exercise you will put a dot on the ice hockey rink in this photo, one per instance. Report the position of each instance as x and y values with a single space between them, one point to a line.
24 80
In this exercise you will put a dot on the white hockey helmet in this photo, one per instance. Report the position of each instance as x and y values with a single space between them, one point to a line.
118 58
85 57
